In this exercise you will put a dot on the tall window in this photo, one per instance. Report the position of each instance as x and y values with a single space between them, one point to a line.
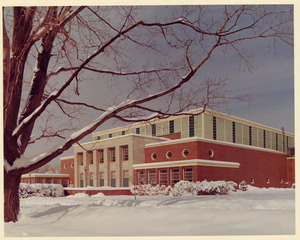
91 179
80 158
141 177
250 135
171 126
124 152
188 174
264 138
113 178
112 154
125 178
90 157
174 176
233 132
101 179
276 141
81 180
153 128
101 155
48 180
98 138
137 130
110 135
123 132
152 177
163 177
191 126
214 128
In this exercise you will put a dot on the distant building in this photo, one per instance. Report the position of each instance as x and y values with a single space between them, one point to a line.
211 146
62 179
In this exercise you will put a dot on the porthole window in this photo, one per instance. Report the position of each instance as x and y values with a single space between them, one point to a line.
153 156
169 154
211 153
65 166
185 152
72 165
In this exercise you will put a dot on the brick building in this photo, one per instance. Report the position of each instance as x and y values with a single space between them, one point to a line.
211 146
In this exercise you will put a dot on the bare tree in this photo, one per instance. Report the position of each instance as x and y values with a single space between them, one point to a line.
52 53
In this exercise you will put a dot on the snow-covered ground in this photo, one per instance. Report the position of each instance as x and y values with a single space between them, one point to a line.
255 212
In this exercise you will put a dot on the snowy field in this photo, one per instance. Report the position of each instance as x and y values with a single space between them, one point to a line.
255 212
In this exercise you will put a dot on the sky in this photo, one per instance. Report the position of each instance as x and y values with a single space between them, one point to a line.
270 85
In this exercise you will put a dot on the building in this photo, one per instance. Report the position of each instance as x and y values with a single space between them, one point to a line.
211 146
46 178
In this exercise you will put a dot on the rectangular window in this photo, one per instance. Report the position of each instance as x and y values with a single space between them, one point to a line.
90 157
233 132
141 177
110 135
91 179
214 128
125 178
171 126
112 154
276 141
48 180
81 180
174 176
137 130
101 155
188 174
264 138
65 182
40 180
191 126
123 132
101 179
80 158
152 177
153 128
250 135
163 177
124 152
98 138
56 180
113 179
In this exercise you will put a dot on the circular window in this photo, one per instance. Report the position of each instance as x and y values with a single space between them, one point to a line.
153 156
169 154
65 166
185 152
211 153
72 165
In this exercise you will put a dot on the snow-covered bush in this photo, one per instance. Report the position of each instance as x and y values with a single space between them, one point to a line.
40 190
149 190
186 188
243 186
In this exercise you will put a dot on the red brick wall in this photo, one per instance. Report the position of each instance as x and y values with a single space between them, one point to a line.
256 164
94 192
68 169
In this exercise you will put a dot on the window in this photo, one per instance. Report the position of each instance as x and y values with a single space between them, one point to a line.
65 182
81 180
211 153
250 135
264 138
48 180
112 154
124 152
65 166
72 165
163 177
233 132
185 152
80 158
169 154
191 126
113 179
101 179
101 155
141 177
98 138
214 128
110 135
137 130
40 180
174 176
276 141
153 128
125 178
91 179
188 174
171 126
90 157
152 177
56 180
153 156
123 132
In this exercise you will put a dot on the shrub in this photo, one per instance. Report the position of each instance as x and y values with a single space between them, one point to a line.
40 190
149 190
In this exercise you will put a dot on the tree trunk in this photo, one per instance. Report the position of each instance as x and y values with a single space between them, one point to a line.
12 181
